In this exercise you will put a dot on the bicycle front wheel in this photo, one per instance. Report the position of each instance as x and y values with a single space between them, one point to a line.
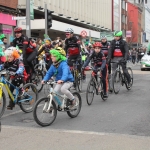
42 115
117 81
79 82
90 92
28 97
2 104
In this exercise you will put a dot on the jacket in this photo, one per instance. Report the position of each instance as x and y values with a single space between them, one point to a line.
123 47
61 73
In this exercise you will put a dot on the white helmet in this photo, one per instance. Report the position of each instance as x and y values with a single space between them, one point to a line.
103 37
9 51
70 30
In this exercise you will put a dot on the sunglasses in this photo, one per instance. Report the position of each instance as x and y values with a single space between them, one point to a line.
17 32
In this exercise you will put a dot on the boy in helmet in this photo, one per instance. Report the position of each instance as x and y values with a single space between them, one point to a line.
99 62
61 71
118 52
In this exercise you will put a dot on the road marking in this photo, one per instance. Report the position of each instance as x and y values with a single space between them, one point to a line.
16 112
73 131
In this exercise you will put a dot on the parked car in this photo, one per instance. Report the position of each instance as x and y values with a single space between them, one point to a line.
145 61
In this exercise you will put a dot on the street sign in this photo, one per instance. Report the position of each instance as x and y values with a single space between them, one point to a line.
18 18
31 9
129 33
83 33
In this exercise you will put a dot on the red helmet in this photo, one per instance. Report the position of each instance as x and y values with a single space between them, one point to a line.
18 29
97 44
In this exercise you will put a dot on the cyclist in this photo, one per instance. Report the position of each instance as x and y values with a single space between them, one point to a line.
118 52
72 48
28 48
62 73
99 62
15 65
45 50
104 49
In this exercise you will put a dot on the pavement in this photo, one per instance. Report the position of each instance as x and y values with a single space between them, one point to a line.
120 123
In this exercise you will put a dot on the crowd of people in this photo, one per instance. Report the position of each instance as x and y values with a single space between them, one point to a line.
24 52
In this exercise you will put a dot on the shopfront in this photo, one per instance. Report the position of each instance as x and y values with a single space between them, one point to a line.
7 25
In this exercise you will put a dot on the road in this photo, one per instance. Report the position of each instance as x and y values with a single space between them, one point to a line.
121 122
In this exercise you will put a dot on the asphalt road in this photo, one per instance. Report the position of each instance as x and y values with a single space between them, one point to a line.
127 113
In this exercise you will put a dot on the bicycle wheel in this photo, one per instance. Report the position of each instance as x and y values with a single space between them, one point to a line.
100 88
90 92
74 112
131 76
28 97
2 104
79 82
38 79
41 115
117 81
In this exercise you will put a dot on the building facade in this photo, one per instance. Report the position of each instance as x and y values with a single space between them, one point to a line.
134 23
7 11
93 16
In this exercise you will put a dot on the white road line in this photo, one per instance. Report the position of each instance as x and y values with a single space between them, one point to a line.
16 112
73 131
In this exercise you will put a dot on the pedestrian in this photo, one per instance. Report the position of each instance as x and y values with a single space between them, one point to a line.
133 54
39 43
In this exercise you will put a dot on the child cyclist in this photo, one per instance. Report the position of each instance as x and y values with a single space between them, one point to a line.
99 62
15 65
61 71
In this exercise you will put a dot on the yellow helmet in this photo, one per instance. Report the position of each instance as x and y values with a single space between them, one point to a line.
61 51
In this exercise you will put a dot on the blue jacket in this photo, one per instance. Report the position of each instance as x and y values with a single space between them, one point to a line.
61 73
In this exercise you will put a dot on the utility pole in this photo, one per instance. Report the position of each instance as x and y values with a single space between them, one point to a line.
28 23
46 19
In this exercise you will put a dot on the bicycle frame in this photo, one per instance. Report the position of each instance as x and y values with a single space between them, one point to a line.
42 64
51 94
14 99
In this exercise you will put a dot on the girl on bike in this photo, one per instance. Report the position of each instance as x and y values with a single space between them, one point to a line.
61 71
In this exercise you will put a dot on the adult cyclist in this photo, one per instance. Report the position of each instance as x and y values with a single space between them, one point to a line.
72 48
104 49
28 48
118 52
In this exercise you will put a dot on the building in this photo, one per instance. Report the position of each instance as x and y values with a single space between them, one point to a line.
7 11
93 16
134 24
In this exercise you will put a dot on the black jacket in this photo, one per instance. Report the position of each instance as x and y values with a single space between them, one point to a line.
123 47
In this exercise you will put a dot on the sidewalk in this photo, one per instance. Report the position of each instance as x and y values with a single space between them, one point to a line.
17 138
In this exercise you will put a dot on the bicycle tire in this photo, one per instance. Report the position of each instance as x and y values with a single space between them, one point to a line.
77 95
131 76
28 102
37 120
37 80
3 103
117 74
100 85
79 82
90 84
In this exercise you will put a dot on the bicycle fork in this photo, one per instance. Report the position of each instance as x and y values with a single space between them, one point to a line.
47 106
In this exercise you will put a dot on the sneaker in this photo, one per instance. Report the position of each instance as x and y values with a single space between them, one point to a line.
11 105
73 104
110 90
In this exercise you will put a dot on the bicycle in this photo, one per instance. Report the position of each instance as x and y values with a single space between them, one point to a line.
77 75
47 106
119 79
95 84
21 96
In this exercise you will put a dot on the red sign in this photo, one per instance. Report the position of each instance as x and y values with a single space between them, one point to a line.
83 33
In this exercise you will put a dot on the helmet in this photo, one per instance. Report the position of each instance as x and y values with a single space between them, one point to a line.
12 51
97 44
61 51
118 33
70 30
103 37
2 36
18 29
32 43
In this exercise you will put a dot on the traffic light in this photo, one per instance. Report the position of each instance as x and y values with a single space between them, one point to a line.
49 18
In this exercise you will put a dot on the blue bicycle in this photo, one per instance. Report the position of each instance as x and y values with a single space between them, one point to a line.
25 95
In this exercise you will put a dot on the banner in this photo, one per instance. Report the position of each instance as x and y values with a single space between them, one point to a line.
31 9
129 33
